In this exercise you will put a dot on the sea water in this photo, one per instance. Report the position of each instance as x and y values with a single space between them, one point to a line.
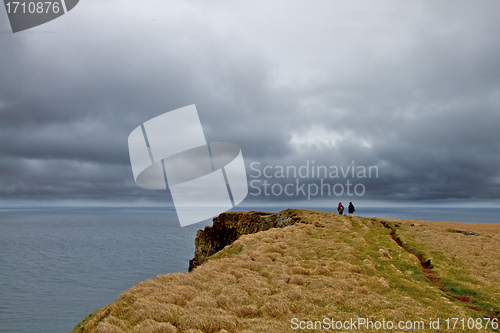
58 265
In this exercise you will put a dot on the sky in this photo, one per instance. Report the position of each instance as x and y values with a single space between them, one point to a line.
410 89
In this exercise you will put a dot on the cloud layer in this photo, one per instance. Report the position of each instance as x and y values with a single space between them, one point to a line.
413 89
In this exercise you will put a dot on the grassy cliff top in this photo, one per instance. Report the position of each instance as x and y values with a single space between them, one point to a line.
324 267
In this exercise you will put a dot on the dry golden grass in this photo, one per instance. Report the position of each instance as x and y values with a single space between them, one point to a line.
330 266
469 264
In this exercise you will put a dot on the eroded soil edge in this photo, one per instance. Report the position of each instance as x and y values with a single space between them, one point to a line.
431 275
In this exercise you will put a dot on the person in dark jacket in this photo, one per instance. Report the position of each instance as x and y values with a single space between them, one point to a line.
340 208
351 209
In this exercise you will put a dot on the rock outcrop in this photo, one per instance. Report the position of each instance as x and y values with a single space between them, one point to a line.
228 227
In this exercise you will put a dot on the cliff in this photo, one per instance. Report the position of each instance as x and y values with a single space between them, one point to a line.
320 271
228 227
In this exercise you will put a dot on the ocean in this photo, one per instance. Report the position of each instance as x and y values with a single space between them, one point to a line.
58 265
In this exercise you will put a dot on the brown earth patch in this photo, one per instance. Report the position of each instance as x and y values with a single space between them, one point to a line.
429 273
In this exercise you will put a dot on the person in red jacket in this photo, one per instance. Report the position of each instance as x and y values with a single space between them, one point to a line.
340 208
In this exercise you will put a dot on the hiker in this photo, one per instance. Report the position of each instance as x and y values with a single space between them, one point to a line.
340 208
351 209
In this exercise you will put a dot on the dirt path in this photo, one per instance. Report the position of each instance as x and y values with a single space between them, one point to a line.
431 275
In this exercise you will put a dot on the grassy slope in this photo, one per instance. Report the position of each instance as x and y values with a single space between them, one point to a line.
328 267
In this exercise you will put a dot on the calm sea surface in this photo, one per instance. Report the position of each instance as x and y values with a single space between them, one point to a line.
57 265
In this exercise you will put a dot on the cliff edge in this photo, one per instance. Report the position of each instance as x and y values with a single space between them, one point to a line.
228 227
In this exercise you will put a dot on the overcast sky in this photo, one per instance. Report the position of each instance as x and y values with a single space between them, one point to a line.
412 88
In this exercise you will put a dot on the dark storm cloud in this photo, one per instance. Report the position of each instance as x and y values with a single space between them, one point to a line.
413 89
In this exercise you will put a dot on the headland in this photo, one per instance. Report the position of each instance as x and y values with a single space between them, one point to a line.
312 270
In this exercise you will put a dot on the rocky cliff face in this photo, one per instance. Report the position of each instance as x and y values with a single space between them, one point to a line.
228 227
